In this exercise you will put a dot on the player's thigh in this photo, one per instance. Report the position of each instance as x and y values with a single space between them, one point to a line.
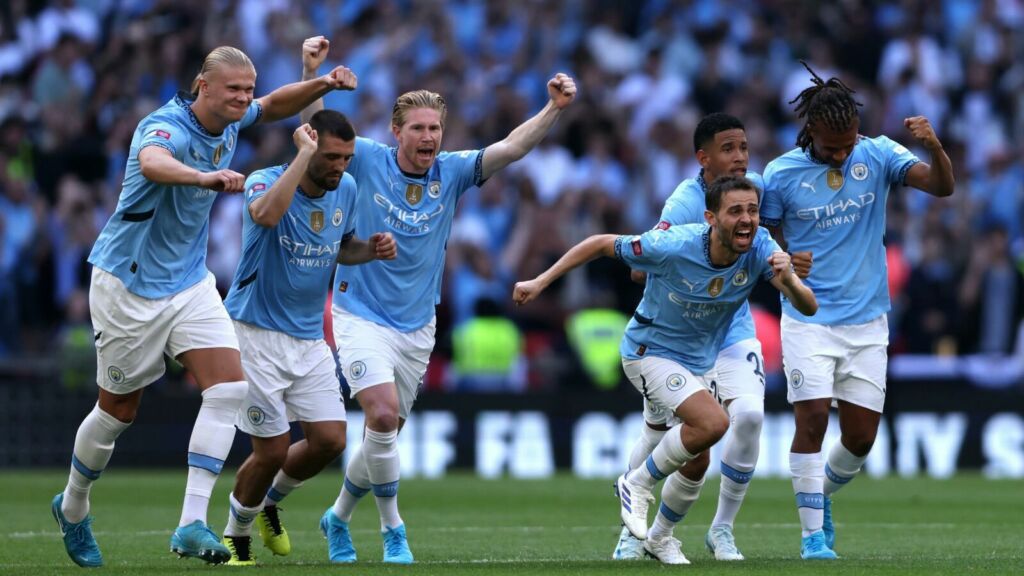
203 336
809 360
315 395
415 356
130 333
739 371
861 370
365 351
263 413
664 383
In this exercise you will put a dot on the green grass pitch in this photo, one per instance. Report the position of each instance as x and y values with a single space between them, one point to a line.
464 525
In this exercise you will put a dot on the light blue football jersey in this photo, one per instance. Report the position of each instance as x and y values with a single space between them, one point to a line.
285 271
686 205
418 211
155 242
688 303
839 215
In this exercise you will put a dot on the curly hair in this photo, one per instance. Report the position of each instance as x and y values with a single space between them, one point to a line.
828 102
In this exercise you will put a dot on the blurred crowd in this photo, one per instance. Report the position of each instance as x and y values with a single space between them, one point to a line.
77 75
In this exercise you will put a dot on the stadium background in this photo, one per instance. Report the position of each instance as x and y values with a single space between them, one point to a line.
76 76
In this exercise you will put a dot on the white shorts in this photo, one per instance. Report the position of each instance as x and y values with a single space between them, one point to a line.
290 379
841 362
133 333
665 385
739 371
371 354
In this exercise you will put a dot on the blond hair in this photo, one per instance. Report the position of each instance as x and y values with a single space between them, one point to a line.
221 57
417 99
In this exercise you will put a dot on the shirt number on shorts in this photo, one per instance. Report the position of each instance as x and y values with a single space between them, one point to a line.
758 371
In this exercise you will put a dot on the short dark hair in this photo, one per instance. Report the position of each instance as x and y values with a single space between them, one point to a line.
713 124
334 123
723 184
829 102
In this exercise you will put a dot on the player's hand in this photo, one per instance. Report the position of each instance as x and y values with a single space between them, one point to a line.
921 129
562 90
782 265
222 181
305 138
314 52
383 246
341 78
526 291
802 262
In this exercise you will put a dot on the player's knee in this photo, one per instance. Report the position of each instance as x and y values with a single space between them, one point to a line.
812 425
382 420
859 443
747 424
272 454
329 447
229 395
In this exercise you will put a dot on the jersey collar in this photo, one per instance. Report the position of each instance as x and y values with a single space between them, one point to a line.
185 100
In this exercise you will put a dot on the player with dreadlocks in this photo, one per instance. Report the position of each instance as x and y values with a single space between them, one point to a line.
828 196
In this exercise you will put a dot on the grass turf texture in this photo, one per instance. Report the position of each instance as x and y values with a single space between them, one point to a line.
464 525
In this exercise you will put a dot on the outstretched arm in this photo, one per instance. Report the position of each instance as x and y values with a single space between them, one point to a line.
589 249
291 99
562 91
935 178
159 165
314 52
787 282
267 210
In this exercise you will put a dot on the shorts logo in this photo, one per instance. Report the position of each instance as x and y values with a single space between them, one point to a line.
675 382
715 286
357 369
796 379
834 179
256 415
217 152
316 220
434 190
413 193
338 216
741 278
343 286
115 375
859 171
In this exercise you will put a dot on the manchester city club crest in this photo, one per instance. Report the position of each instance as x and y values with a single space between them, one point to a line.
413 193
357 370
256 415
434 189
834 179
796 379
675 382
338 217
316 220
741 278
859 171
216 153
715 286
115 374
